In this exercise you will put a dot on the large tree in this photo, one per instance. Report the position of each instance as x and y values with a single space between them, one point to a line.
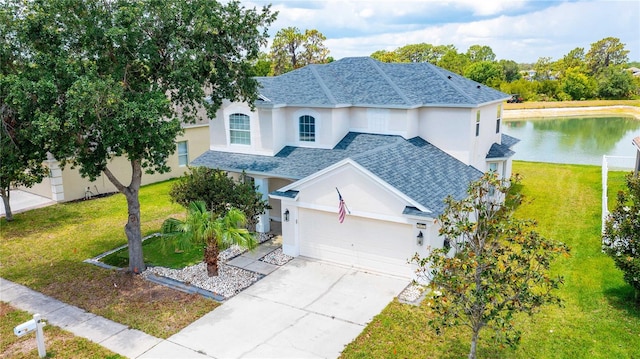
292 49
578 85
621 237
21 150
422 52
499 264
454 61
604 53
615 82
486 72
478 53
127 72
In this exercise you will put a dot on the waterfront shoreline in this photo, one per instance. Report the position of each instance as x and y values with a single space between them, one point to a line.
616 110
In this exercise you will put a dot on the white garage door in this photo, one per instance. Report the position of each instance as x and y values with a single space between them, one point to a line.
364 243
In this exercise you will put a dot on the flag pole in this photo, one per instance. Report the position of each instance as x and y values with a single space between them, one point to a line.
345 203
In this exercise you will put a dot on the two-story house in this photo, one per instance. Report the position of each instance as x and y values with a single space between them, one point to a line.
394 139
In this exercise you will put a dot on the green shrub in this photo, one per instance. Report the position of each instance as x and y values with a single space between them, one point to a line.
220 192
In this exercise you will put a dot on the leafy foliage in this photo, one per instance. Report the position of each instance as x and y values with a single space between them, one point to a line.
219 192
604 53
292 50
499 267
621 237
22 150
615 83
578 85
576 76
123 74
485 72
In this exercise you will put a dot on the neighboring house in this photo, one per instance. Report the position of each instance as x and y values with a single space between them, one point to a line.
394 139
634 71
66 184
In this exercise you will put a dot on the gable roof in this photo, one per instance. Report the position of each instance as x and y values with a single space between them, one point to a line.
365 82
414 167
503 149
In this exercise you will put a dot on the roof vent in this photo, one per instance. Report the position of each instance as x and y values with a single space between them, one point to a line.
478 86
449 77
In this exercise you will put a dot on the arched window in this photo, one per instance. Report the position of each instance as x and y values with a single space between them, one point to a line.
307 128
239 129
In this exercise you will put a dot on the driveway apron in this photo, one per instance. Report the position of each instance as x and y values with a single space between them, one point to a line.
306 309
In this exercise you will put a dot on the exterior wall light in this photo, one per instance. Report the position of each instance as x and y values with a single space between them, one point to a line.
286 215
420 238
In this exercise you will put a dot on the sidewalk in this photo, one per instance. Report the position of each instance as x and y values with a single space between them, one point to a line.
114 336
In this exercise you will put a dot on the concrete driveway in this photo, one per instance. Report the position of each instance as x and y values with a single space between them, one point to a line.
23 201
306 309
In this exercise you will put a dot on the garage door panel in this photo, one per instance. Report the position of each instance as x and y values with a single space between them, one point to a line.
371 244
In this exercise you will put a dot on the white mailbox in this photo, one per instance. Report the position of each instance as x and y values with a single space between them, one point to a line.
36 325
24 328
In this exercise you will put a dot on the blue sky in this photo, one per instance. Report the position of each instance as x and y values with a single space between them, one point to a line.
516 30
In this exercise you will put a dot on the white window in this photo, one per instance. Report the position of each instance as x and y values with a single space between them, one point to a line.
307 128
493 167
183 153
239 129
478 123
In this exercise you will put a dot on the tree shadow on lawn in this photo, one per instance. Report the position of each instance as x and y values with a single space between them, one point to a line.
458 347
40 220
623 297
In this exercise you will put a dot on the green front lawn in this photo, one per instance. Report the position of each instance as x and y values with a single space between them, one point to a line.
43 249
599 318
160 251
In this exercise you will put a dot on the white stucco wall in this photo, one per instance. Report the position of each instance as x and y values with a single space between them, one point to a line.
447 129
451 129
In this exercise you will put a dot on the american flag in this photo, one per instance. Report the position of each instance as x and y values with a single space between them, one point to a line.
341 209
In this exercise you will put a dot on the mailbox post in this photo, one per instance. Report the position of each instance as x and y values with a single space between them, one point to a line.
29 326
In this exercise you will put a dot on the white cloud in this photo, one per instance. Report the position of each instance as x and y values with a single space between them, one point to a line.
492 7
513 29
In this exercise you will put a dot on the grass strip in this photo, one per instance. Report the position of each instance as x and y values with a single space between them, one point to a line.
43 249
59 343
599 318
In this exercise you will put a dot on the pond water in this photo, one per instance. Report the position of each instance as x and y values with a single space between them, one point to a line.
576 140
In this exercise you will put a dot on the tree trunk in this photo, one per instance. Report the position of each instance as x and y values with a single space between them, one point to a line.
132 228
7 204
211 253
134 234
474 344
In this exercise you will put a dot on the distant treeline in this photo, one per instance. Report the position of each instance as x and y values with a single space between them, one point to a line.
603 72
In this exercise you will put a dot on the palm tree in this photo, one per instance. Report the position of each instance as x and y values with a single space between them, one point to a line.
216 233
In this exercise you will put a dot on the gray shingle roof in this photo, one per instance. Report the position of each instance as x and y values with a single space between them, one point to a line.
415 167
508 141
503 149
363 81
499 151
